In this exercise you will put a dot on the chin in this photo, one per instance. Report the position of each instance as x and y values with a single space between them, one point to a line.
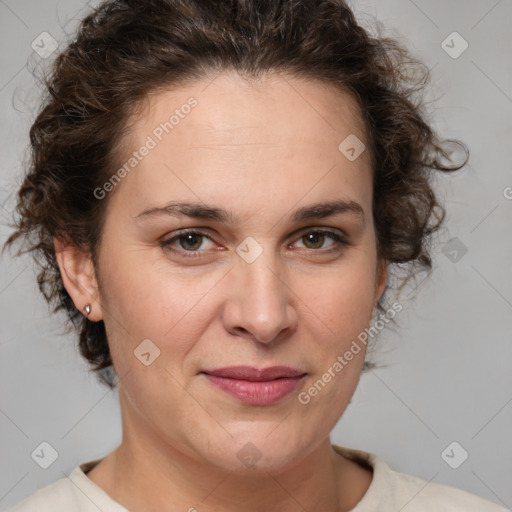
256 453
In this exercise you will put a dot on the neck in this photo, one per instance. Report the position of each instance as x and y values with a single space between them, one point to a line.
146 473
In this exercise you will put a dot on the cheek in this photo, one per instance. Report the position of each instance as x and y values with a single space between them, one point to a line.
342 311
342 300
142 299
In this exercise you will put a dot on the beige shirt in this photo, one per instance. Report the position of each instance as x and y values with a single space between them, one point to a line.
389 491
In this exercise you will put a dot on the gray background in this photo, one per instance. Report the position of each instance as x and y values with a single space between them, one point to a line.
448 376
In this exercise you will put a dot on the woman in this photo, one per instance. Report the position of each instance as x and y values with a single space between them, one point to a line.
220 192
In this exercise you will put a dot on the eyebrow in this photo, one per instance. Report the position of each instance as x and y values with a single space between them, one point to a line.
202 211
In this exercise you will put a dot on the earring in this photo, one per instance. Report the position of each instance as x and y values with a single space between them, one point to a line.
87 309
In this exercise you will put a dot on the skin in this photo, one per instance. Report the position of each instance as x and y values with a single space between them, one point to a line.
260 150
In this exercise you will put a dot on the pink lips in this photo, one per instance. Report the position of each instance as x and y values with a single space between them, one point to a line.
253 386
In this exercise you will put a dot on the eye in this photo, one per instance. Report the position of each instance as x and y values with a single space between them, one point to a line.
315 239
189 242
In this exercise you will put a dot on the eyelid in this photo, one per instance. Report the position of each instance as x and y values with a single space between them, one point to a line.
322 229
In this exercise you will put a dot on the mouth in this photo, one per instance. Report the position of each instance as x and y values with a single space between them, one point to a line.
256 386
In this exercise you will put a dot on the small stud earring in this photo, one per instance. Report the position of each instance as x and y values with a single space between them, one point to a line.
87 309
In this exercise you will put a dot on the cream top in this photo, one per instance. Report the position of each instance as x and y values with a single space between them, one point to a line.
389 491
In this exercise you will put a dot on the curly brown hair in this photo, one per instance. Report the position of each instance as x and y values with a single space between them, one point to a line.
126 49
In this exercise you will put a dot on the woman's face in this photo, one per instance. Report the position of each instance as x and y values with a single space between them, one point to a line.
259 286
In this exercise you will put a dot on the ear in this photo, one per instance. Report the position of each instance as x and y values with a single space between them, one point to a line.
79 277
381 279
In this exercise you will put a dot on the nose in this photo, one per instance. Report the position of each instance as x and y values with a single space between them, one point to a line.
260 304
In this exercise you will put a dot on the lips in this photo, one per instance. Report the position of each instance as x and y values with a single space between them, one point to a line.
255 386
254 374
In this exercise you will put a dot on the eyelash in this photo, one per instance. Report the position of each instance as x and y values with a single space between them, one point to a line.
341 240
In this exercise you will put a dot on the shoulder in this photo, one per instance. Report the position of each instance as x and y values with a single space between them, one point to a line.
392 490
55 497
426 495
75 492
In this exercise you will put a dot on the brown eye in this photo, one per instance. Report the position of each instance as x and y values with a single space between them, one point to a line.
316 239
188 242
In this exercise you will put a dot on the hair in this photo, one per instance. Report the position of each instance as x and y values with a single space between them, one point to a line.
127 49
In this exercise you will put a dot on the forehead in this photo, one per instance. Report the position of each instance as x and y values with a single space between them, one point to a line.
267 136
230 101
